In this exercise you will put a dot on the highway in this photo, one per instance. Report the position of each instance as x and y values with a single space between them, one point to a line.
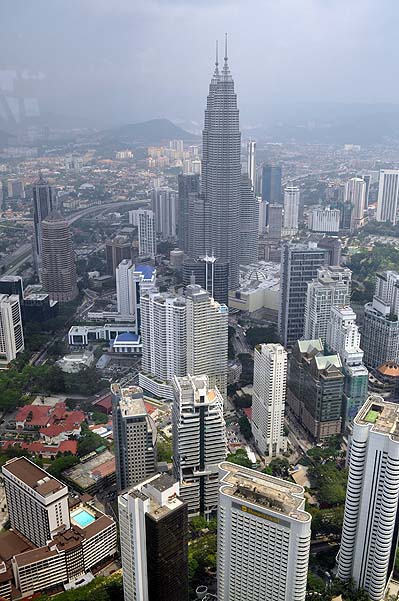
16 259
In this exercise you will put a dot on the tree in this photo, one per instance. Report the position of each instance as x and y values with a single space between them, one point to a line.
261 335
280 467
164 450
245 427
240 457
60 464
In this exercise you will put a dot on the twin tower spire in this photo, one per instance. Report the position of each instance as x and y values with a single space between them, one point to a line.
225 70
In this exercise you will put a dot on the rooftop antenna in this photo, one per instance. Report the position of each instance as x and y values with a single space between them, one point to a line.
225 47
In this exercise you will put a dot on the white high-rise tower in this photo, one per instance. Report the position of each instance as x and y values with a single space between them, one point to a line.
251 162
291 209
147 235
355 194
268 401
388 194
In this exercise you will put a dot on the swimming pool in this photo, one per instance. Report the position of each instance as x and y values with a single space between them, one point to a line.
82 518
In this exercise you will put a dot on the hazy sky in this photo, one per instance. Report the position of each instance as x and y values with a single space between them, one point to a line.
122 61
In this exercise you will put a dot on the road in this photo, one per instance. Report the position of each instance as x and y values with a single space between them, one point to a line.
16 259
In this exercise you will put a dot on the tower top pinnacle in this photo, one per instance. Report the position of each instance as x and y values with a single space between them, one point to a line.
226 71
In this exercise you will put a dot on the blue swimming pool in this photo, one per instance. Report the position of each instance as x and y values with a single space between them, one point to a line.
82 517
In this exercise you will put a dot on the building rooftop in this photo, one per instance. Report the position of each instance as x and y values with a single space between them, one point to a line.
154 489
264 491
89 472
308 346
147 271
33 476
380 415
131 402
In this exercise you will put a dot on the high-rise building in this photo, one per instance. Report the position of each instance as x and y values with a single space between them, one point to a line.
125 288
164 206
355 195
12 284
291 209
274 221
135 436
331 288
16 188
248 223
387 289
251 162
333 246
380 336
263 538
154 541
196 225
370 531
147 235
221 171
211 274
11 331
262 215
37 502
315 389
324 220
343 338
388 194
299 265
58 270
268 401
116 250
177 145
43 204
271 184
199 442
187 184
207 337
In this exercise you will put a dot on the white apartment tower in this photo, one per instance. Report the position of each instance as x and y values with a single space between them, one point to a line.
355 194
125 289
388 193
332 288
291 209
37 502
251 162
268 401
324 220
343 336
11 331
263 538
135 436
147 234
369 534
199 442
207 337
164 206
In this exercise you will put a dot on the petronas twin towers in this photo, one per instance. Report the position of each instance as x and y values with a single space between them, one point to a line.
230 207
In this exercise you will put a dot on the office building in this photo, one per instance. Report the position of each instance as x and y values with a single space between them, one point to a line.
221 171
164 206
248 223
196 225
331 288
154 541
355 195
187 185
163 332
135 436
315 389
387 289
291 209
147 235
43 204
251 162
262 215
369 533
343 338
299 266
268 400
211 274
263 538
12 284
11 330
207 337
333 246
125 288
324 220
380 336
274 221
16 189
388 193
37 502
271 184
199 442
58 270
116 250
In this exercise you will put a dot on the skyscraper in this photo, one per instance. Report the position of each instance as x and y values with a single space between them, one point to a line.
251 162
11 331
355 194
147 236
58 270
116 250
263 538
199 442
332 288
221 171
211 274
388 194
274 221
207 337
268 402
299 265
187 184
154 541
125 289
164 206
135 436
370 532
43 204
271 184
291 209
249 217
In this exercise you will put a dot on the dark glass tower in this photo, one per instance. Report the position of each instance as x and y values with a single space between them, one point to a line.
43 204
188 185
271 184
221 171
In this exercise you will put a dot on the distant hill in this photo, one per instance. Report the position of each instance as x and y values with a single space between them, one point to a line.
155 131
